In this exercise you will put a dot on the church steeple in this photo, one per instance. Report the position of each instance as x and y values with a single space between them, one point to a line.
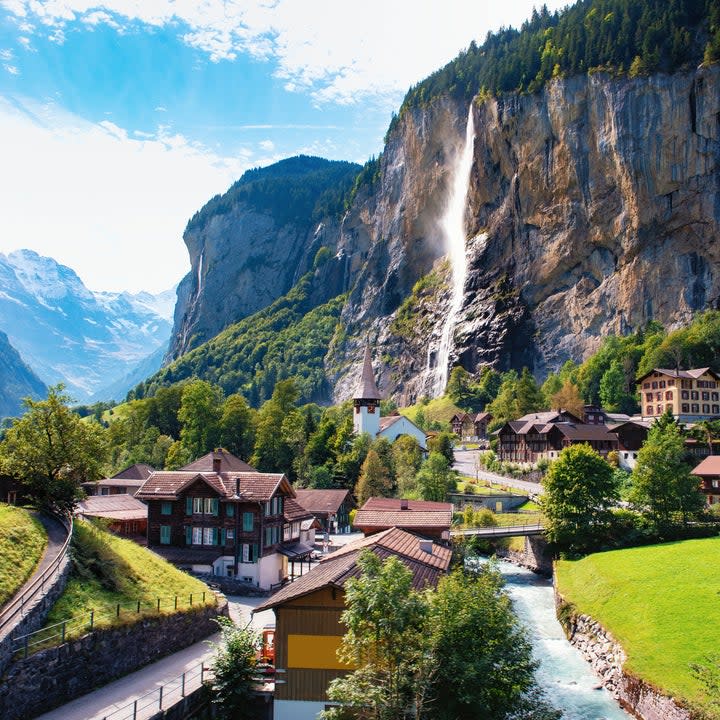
366 417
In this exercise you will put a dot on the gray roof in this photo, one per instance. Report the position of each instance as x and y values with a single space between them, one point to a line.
366 388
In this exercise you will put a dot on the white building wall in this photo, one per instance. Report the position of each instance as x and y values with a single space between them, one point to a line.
366 422
403 426
297 709
270 570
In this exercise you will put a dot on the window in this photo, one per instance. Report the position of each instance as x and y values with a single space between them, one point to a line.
649 397
211 506
197 536
230 534
668 395
659 409
248 519
706 409
197 506
662 383
685 408
694 395
249 553
671 382
714 397
715 409
209 536
104 491
166 508
715 483
658 396
685 395
646 386
649 410
695 408
705 395
164 534
654 386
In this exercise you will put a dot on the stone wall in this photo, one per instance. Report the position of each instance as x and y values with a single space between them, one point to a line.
536 556
35 613
232 586
55 676
607 658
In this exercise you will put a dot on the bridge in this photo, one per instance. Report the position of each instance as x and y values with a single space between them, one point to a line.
495 531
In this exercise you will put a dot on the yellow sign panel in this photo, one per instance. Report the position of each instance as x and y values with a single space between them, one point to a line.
314 652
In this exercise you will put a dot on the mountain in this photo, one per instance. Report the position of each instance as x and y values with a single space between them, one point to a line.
68 334
591 206
17 380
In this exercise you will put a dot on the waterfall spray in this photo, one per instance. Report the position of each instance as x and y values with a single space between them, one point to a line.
452 225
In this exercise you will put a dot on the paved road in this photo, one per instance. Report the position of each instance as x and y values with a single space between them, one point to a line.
109 701
466 464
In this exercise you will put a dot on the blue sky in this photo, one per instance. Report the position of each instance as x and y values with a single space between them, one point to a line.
121 118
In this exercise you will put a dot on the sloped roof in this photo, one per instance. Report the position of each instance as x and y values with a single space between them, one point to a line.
366 388
339 567
388 512
709 466
113 507
228 463
692 374
483 416
253 486
584 432
321 501
138 471
293 510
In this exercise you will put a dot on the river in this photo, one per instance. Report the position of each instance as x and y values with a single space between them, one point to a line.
568 681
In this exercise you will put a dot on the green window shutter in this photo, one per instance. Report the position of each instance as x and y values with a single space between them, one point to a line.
214 506
268 536
254 555
188 535
247 522
214 536
222 536
188 505
230 509
164 534
166 508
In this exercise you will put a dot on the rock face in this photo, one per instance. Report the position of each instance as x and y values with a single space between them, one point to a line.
593 207
17 380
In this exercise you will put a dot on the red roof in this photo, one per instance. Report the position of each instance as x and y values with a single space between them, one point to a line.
138 471
709 466
340 566
394 512
252 486
228 463
322 501
293 510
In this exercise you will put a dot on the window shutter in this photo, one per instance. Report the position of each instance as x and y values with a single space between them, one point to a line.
188 505
188 535
222 536
214 506
254 556
230 509
214 536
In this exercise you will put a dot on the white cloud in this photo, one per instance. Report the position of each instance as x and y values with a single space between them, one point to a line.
267 145
12 69
338 51
110 205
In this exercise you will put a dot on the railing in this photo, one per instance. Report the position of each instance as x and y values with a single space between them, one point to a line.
162 697
501 531
36 589
57 633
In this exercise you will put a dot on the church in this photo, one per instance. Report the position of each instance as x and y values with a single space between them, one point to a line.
366 411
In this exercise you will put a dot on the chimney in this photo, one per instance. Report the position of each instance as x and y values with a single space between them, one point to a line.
404 504
217 462
237 487
426 546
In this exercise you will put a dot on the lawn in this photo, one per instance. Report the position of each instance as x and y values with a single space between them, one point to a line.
660 602
22 542
108 571
437 410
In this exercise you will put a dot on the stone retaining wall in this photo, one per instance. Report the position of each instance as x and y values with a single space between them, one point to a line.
535 557
607 658
35 613
57 675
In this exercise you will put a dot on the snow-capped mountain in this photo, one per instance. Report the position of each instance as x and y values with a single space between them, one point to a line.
66 333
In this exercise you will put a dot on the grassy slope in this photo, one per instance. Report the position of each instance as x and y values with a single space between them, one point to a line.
439 410
22 542
110 570
659 602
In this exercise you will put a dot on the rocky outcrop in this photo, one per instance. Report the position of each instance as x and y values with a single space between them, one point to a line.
17 380
593 207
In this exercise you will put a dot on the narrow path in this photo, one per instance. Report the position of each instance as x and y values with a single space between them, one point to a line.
110 700
466 464
57 535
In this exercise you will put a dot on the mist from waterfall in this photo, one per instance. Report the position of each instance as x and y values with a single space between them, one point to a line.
452 225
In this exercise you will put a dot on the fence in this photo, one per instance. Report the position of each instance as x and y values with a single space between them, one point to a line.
162 697
57 633
17 606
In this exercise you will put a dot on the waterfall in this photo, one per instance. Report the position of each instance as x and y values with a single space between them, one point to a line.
452 225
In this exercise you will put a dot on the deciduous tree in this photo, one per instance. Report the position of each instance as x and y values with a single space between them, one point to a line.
436 478
374 479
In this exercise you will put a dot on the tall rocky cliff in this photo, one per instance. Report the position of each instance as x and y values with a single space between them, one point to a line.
593 207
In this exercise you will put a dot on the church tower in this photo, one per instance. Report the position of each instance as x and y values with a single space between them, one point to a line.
366 401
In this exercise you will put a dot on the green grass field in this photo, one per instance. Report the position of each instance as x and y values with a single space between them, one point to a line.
109 570
660 602
22 542
438 410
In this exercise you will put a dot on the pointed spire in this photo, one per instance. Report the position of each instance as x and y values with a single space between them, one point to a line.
366 388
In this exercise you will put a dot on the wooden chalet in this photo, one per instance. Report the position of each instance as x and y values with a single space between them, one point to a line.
308 630
432 519
221 516
708 471
126 482
125 514
471 426
331 508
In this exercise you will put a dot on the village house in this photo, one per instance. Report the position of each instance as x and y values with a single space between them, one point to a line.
126 482
308 630
432 519
124 514
331 507
471 427
690 395
709 473
366 411
221 516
